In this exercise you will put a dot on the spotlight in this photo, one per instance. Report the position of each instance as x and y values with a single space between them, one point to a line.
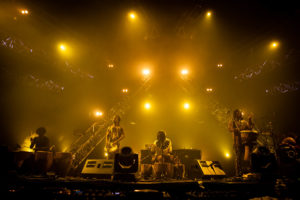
208 14
146 72
24 12
227 155
274 45
106 154
125 165
184 71
110 66
209 89
147 106
186 106
132 15
98 114
125 90
220 65
62 47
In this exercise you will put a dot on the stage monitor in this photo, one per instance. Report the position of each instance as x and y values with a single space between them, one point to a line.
98 168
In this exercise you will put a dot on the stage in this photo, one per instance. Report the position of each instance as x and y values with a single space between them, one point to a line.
52 187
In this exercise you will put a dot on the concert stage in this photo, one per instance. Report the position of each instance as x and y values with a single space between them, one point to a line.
51 187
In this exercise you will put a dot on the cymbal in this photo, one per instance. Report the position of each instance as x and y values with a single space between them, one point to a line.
249 131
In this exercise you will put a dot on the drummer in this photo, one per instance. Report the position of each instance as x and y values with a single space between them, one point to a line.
162 148
41 142
241 130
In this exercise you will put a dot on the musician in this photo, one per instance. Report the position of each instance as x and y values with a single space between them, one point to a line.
240 144
41 142
114 135
162 149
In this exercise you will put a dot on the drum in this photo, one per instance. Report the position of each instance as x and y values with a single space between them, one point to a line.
146 170
163 170
43 161
248 136
179 171
22 156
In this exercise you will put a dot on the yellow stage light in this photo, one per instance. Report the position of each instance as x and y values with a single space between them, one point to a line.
146 72
209 89
62 47
184 71
274 45
110 65
220 65
98 114
208 14
227 155
147 106
24 12
106 154
186 106
132 15
125 90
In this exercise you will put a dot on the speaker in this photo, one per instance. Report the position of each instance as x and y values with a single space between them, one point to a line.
98 168
206 169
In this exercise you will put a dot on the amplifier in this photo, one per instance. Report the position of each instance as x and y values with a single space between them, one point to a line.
186 156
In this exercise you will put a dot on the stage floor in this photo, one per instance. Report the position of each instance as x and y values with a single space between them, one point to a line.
51 187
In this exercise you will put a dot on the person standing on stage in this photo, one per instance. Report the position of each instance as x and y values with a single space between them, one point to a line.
41 142
114 135
162 148
240 144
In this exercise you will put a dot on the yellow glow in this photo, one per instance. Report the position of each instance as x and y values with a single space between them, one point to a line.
184 71
24 12
62 47
147 106
208 14
227 155
110 65
146 72
220 65
132 15
98 114
274 45
209 89
105 154
125 90
186 106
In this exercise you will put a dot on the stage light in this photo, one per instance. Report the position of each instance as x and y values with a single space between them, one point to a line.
110 66
125 165
147 106
62 47
274 45
220 65
98 114
106 154
184 71
146 72
132 15
209 89
208 14
125 90
24 12
186 106
227 155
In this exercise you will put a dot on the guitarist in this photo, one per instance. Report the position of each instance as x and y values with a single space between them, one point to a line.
114 135
236 126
